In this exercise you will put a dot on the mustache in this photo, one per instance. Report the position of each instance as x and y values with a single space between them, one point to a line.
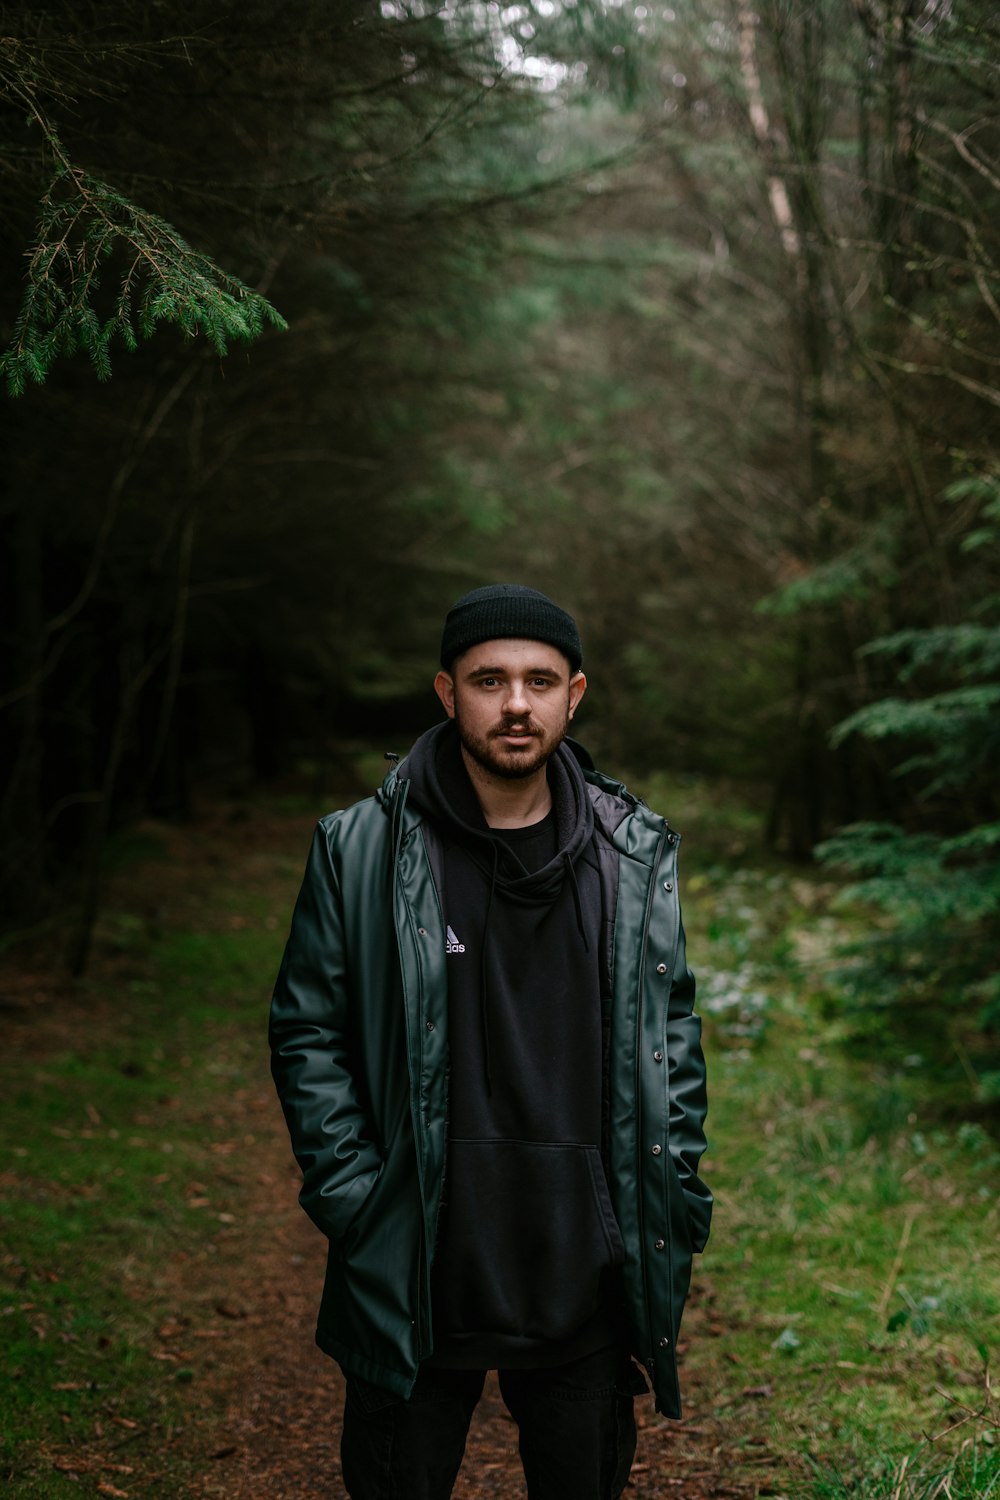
506 726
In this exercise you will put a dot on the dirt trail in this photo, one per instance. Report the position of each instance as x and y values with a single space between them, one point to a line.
277 1435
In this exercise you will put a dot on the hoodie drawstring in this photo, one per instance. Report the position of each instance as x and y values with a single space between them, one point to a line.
484 1013
575 888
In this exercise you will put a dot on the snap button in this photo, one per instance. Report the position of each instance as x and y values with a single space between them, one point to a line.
659 1244
668 885
422 931
655 1150
430 1025
657 1056
661 968
664 1343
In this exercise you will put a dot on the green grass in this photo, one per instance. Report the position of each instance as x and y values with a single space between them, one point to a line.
973 1474
854 1257
102 1170
113 1164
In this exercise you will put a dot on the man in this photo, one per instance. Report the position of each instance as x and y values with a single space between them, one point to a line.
483 1040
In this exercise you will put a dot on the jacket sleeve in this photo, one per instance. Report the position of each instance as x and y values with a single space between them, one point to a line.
311 1053
688 1096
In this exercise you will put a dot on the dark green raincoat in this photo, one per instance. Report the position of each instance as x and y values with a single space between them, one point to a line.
359 1037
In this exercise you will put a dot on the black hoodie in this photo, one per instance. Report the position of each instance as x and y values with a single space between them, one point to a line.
528 1244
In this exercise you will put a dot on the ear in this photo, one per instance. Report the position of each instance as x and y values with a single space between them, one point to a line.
444 686
577 688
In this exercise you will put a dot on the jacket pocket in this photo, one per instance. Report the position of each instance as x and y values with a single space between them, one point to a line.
335 1210
528 1239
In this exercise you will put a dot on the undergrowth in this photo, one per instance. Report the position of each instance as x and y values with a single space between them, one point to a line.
853 1274
971 1474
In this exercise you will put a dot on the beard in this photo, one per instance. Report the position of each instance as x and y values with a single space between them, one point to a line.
507 761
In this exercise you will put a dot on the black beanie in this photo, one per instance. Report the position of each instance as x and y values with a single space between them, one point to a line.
505 610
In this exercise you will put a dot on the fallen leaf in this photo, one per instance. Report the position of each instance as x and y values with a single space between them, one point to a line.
226 1310
171 1328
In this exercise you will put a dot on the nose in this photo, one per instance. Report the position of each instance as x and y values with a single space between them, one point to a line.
516 703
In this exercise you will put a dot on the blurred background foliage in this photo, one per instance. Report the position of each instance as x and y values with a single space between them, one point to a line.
686 314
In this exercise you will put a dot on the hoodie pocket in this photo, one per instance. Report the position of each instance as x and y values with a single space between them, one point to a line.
528 1239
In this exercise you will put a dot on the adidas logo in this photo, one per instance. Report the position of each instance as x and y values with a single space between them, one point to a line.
453 945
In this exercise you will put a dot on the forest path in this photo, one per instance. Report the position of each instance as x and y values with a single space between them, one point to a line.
272 1428
274 1434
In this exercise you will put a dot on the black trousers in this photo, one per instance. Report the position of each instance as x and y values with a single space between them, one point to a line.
575 1423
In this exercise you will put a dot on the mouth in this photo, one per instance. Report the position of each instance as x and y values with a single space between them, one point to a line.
516 736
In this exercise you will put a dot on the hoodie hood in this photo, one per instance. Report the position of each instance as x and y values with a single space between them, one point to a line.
440 787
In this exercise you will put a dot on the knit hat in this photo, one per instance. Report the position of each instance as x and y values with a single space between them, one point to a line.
504 610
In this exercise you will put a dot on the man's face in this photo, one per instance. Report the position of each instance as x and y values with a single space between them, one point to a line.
512 701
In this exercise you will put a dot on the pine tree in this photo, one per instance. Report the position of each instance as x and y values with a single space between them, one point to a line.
932 961
88 229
